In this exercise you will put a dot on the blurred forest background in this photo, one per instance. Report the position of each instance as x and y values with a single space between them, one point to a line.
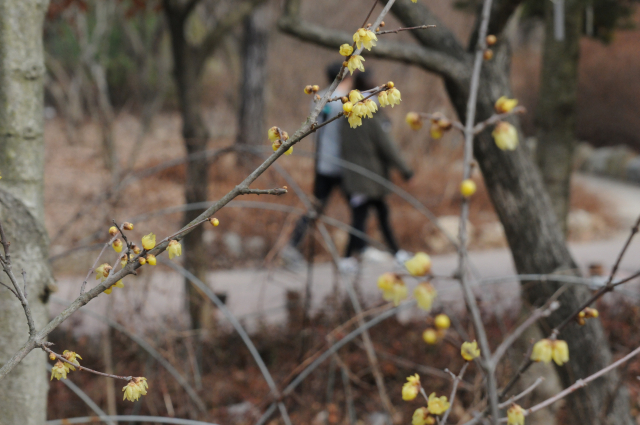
114 124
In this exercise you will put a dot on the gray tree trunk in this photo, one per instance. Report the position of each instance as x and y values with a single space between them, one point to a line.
556 111
23 393
251 126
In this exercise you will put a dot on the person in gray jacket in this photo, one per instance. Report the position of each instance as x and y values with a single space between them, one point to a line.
371 147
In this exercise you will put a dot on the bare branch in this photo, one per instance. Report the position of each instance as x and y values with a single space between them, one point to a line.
452 397
86 369
277 191
9 288
479 128
522 394
420 27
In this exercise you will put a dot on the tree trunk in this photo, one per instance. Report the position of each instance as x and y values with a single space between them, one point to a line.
23 393
251 127
537 245
196 136
556 111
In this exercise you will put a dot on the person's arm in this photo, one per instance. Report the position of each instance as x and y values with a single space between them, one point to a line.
388 150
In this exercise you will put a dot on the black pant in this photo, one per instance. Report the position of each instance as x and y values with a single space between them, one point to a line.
359 221
322 188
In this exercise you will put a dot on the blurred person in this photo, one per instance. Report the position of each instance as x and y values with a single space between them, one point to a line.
369 146
328 173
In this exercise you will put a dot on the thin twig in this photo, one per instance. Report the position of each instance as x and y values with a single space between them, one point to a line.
452 397
86 369
419 27
522 394
9 288
497 117
277 191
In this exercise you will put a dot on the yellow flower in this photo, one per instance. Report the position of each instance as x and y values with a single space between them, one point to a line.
135 248
469 350
59 370
366 38
414 121
135 388
151 259
214 222
127 226
355 96
149 241
421 417
394 96
442 321
425 293
437 405
411 388
72 357
435 131
467 188
113 230
354 120
355 62
117 245
371 107
308 89
118 284
360 110
542 351
419 264
276 145
346 50
515 415
560 352
383 99
123 260
102 271
393 288
504 105
175 249
273 134
347 107
142 261
506 136
430 336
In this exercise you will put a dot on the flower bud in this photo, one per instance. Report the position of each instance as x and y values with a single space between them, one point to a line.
52 356
344 99
487 54
308 90
346 50
347 107
136 249
142 261
151 259
419 264
127 226
505 135
414 121
382 24
467 188
504 105
442 321
113 230
491 40
390 84
214 222
515 415
430 336
315 88
470 350
117 245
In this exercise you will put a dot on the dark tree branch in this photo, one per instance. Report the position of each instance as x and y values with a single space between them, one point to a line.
428 59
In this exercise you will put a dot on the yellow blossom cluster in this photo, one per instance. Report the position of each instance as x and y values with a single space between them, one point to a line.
392 287
365 38
469 350
277 137
515 415
390 97
135 388
506 136
61 369
356 108
546 349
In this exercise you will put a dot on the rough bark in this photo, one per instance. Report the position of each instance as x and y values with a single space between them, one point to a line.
520 200
187 78
556 111
251 126
23 393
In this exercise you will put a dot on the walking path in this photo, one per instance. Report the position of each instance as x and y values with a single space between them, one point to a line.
258 296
